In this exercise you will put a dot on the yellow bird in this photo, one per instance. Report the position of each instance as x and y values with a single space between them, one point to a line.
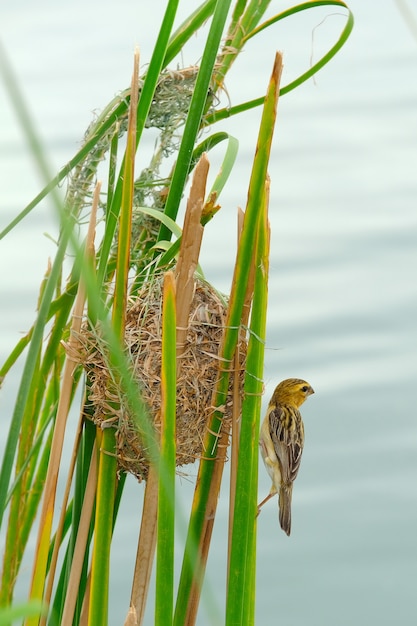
282 440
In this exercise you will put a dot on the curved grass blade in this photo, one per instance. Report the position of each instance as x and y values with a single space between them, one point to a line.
102 129
326 57
161 217
227 112
225 168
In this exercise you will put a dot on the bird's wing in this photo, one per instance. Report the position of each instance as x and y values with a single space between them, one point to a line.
287 434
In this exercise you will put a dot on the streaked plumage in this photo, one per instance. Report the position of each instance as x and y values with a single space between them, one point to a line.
282 440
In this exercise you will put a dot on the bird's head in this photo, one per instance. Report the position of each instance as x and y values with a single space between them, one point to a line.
292 391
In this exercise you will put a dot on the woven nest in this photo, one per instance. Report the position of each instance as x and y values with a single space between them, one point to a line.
198 371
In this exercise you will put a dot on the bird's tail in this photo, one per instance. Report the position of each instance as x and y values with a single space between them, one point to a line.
285 496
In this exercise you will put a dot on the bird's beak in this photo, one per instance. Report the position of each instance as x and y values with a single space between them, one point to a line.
310 393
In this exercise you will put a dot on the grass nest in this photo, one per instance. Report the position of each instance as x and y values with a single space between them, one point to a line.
197 375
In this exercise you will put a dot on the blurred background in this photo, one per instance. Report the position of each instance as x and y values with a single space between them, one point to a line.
343 292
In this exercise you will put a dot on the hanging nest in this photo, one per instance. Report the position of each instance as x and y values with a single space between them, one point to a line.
197 375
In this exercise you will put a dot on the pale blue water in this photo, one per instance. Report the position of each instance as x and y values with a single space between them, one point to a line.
343 292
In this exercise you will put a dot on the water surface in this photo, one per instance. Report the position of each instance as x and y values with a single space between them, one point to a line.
342 298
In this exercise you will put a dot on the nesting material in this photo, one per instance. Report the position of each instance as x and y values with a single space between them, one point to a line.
198 371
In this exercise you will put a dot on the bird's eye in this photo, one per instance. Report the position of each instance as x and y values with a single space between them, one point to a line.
304 389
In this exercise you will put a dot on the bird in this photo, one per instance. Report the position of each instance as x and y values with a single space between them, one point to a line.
281 442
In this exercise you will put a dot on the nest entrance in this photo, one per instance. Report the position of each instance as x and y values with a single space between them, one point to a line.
198 371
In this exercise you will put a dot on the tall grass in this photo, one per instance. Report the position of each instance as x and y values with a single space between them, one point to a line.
71 564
